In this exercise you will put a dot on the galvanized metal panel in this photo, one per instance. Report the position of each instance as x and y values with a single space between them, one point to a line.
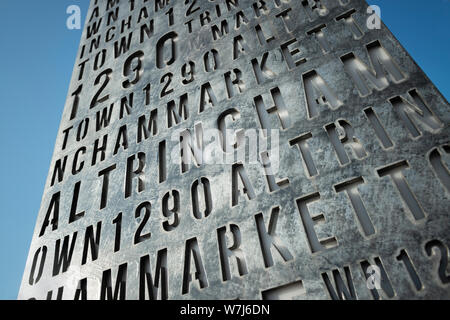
359 143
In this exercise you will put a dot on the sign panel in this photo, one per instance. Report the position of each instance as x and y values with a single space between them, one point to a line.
244 149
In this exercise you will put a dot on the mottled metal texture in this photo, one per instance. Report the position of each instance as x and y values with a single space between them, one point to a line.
320 235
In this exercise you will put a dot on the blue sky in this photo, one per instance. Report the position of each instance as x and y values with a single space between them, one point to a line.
37 54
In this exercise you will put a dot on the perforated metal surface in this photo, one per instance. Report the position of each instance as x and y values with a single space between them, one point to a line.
360 177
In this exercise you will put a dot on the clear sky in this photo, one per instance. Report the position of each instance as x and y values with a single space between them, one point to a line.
37 54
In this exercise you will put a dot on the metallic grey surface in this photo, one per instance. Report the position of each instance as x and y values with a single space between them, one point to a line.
396 228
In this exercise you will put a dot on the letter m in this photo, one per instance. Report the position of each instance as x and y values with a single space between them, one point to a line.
106 292
145 128
174 116
161 277
375 76
161 4
415 109
219 33
111 4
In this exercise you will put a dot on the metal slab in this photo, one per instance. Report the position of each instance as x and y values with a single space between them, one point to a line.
345 195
